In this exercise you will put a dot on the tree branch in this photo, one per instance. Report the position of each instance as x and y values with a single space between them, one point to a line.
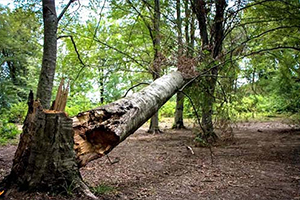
271 49
144 20
262 34
134 87
78 55
64 10
194 108
100 17
119 51
74 45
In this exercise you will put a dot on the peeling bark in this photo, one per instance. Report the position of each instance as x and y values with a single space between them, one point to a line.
99 130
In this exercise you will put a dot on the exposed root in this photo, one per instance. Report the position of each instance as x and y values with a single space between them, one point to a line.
86 191
155 131
178 126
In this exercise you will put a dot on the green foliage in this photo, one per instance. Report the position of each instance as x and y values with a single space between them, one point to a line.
103 189
8 131
259 73
200 141
69 188
168 109
19 51
17 112
77 104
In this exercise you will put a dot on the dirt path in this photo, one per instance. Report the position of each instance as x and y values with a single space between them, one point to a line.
262 162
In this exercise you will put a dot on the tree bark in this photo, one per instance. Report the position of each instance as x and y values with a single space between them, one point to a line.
199 7
154 123
50 19
45 157
214 48
44 90
211 81
99 130
178 122
192 36
178 119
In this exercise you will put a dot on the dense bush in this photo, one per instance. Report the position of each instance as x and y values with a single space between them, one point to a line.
77 104
17 112
168 109
8 131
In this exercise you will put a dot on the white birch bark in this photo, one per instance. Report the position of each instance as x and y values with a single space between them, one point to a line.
99 130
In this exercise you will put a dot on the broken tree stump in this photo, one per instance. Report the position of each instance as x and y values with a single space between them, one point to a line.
45 158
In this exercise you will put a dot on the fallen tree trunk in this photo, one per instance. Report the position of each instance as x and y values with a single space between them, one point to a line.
45 159
99 130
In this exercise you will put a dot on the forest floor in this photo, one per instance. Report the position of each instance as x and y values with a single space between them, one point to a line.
262 161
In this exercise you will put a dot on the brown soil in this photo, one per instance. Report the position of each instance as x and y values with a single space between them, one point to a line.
261 162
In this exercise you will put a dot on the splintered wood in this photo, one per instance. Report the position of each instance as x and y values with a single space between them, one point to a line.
94 133
98 131
61 97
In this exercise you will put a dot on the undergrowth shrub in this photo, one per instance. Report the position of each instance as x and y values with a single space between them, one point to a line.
8 131
168 109
78 104
17 112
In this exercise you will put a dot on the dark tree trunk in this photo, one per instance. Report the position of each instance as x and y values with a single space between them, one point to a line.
207 107
214 47
192 36
45 158
187 24
44 90
199 7
178 124
178 119
154 123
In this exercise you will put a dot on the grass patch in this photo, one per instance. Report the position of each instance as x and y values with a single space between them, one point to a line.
103 189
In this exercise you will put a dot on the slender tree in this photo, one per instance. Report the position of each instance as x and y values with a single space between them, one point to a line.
156 69
178 120
50 18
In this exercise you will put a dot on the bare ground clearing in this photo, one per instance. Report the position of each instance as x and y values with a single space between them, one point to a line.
261 162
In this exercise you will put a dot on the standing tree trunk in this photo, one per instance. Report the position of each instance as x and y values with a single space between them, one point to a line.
214 47
178 120
154 126
44 90
45 158
191 44
45 85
